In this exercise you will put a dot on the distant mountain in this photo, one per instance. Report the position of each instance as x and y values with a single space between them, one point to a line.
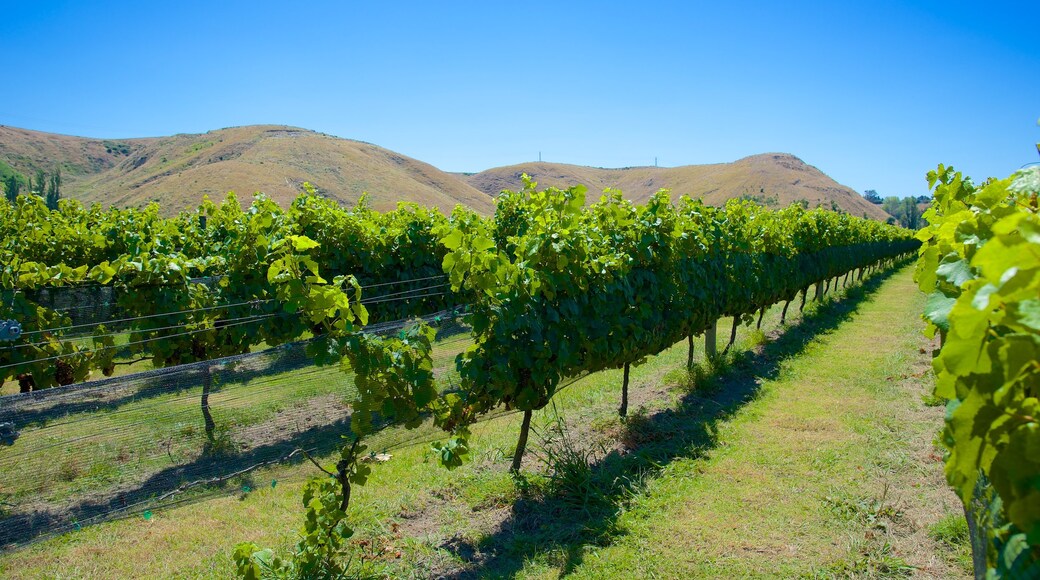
773 179
177 171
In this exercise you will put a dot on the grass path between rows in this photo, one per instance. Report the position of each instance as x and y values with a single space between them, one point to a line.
829 472
808 454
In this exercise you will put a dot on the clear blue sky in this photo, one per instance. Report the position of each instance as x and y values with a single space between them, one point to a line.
873 93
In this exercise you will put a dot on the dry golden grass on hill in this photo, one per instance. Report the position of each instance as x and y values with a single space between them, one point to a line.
773 179
177 171
28 151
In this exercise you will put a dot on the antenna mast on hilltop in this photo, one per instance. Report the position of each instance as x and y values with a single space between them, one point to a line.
655 162
539 157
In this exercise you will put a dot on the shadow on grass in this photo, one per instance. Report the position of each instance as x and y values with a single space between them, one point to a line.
47 405
132 501
39 408
559 526
214 471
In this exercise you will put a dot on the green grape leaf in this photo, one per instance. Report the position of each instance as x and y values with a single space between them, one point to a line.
956 272
937 309
303 243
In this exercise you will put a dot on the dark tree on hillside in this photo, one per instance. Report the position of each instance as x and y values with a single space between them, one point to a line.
54 190
911 213
11 187
893 206
903 211
872 196
40 186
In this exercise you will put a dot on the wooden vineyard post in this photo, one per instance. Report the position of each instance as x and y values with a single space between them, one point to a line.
709 340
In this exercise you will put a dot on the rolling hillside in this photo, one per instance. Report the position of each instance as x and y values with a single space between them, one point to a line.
177 171
773 179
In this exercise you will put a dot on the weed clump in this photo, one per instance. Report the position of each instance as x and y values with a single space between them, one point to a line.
569 472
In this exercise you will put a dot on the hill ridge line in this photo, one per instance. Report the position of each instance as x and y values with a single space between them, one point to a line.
178 170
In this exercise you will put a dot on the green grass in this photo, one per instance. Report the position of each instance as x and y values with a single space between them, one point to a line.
127 363
952 532
7 171
199 146
794 485
174 416
149 438
798 457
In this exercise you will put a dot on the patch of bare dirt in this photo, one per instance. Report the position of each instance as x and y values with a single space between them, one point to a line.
313 412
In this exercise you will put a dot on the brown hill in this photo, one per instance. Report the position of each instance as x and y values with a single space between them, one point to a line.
773 179
176 171
26 151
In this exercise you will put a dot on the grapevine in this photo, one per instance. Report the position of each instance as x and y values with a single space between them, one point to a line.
554 289
980 266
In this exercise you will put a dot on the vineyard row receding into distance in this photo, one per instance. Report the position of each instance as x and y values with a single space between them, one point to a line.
548 289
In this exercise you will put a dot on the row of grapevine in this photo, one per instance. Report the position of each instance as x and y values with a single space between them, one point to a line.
555 289
562 289
262 260
980 266
199 285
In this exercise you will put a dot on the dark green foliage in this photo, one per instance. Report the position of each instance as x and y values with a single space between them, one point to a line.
150 264
39 187
12 187
563 289
116 148
872 196
903 211
54 190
